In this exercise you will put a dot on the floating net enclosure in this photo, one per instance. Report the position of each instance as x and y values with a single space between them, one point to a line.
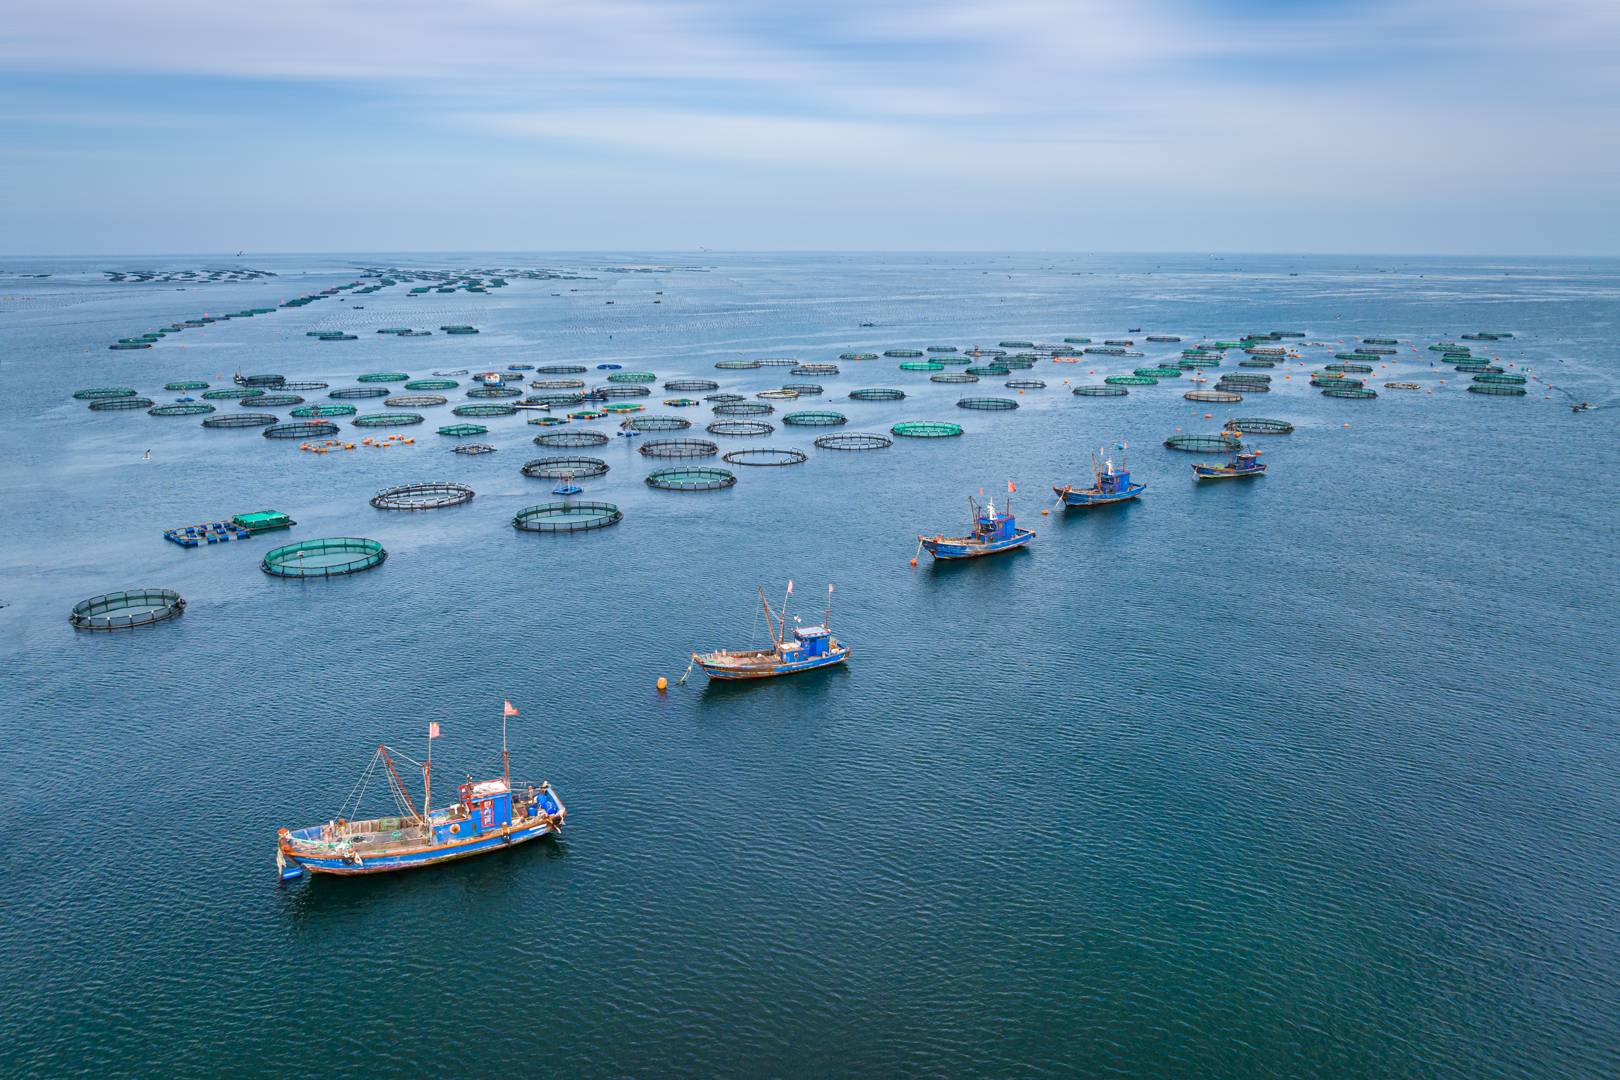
489 392
329 557
415 401
302 387
632 377
678 448
383 376
1501 379
586 414
941 349
1130 380
473 449
623 408
902 353
1353 369
1159 372
1025 384
119 404
691 478
1258 425
356 393
922 365
950 361
194 408
261 381
858 356
815 418
461 431
740 427
432 384
231 393
432 495
778 361
877 393
681 402
766 455
658 423
989 369
308 429
690 385
555 468
744 408
126 610
307 411
557 384
392 419
1226 386
572 439
618 392
804 389
926 429
240 420
1204 444
547 421
1227 396
737 365
554 399
987 404
1349 392
721 399
1402 386
1379 341
486 409
561 369
1496 389
854 440
1100 391
815 369
565 517
1257 363
184 384
272 401
1336 384
953 377
777 395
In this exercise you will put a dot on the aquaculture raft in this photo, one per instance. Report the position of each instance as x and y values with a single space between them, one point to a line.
1349 392
240 420
120 404
854 440
209 532
740 427
815 419
988 404
126 610
1226 396
329 557
766 455
1258 425
354 393
395 419
473 449
258 521
657 423
575 439
926 429
877 393
679 448
691 478
561 517
1204 444
307 429
487 409
557 468
432 495
181 409
1100 391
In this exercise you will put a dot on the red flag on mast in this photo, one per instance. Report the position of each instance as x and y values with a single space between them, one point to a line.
1011 487
509 709
433 730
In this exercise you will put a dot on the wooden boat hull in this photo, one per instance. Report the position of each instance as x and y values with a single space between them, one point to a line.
360 863
962 547
1074 497
767 670
1216 472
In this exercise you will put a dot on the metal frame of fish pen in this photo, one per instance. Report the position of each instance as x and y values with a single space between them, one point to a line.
1227 387
120 404
744 408
415 401
1226 397
1358 392
1259 425
382 376
1254 362
567 517
815 418
658 423
484 409
1350 369
740 427
556 468
926 429
690 385
355 393
399 419
181 408
272 401
303 387
952 377
1337 384
428 495
143 607
987 404
1204 444
854 440
802 389
473 449
901 354
488 392
691 478
305 412
557 384
1025 384
240 420
306 429
858 356
1100 391
1496 389
766 456
285 561
432 384
183 384
260 380
560 369
737 365
815 369
577 440
678 448
618 392
98 393
1501 379
462 431
877 393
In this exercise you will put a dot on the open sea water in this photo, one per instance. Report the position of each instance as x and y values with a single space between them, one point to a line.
1312 775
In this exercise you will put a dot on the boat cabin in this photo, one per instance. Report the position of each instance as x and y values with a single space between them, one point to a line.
808 642
1112 479
990 527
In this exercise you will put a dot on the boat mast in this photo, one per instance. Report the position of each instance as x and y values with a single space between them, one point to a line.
770 620
383 750
826 616
506 761
427 781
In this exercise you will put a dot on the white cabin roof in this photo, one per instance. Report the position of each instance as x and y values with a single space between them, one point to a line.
804 633
488 787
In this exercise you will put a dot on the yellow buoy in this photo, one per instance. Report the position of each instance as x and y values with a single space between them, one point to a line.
1045 511
663 684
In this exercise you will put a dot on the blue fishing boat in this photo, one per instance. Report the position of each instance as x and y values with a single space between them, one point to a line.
1110 482
486 816
1242 463
805 649
990 533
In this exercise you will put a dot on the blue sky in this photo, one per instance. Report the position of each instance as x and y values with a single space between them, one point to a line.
1488 126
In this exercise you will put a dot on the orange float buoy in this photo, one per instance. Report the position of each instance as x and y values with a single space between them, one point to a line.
663 684
913 562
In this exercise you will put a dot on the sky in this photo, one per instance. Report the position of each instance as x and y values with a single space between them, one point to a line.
1423 126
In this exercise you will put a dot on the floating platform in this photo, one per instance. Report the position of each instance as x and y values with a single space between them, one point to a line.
209 532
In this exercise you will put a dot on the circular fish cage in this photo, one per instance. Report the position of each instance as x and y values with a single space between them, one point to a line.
953 377
690 385
987 404
462 431
1349 392
877 393
415 401
272 401
902 353
1403 386
858 356
691 478
815 369
356 393
922 365
118 404
1025 384
473 449
995 370
681 402
678 448
566 517
488 392
1500 379
1159 372
557 384
1258 425
777 395
1257 363
744 408
804 389
432 384
231 393
432 495
303 387
1244 377
1130 380
1162 338
1017 344
307 411
1337 384
1227 387
1223 396
261 381
1077 341
577 440
195 408
1100 391
1480 369
854 440
778 361
240 420
658 423
1204 444
1496 389
618 392
721 399
632 377
561 369
309 429
126 610
815 418
950 361
926 429
555 468
489 409
554 399
329 557
1351 369
766 455
383 376
740 427
736 365
941 349
391 419
184 384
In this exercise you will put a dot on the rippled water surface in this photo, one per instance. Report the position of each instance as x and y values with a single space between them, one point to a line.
1308 776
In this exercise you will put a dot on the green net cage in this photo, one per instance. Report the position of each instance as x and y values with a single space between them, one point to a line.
262 382
1077 341
432 384
1159 372
989 369
185 384
394 419
302 386
415 401
1349 392
691 478
272 401
325 558
240 420
941 349
357 393
1353 369
658 423
953 377
555 399
766 456
306 429
1213 395
577 440
231 393
308 411
744 408
126 610
181 409
383 377
1204 444
690 386
427 495
1379 341
815 418
854 440
1130 380
1496 389
1254 362
632 377
488 393
567 517
461 431
120 404
620 392
1501 379
877 393
557 384
561 369
556 468
737 365
926 429
987 404
1162 339
901 354
922 365
1258 425
1025 384
723 399
1227 386
1100 391
778 361
740 427
951 361
485 409
678 448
